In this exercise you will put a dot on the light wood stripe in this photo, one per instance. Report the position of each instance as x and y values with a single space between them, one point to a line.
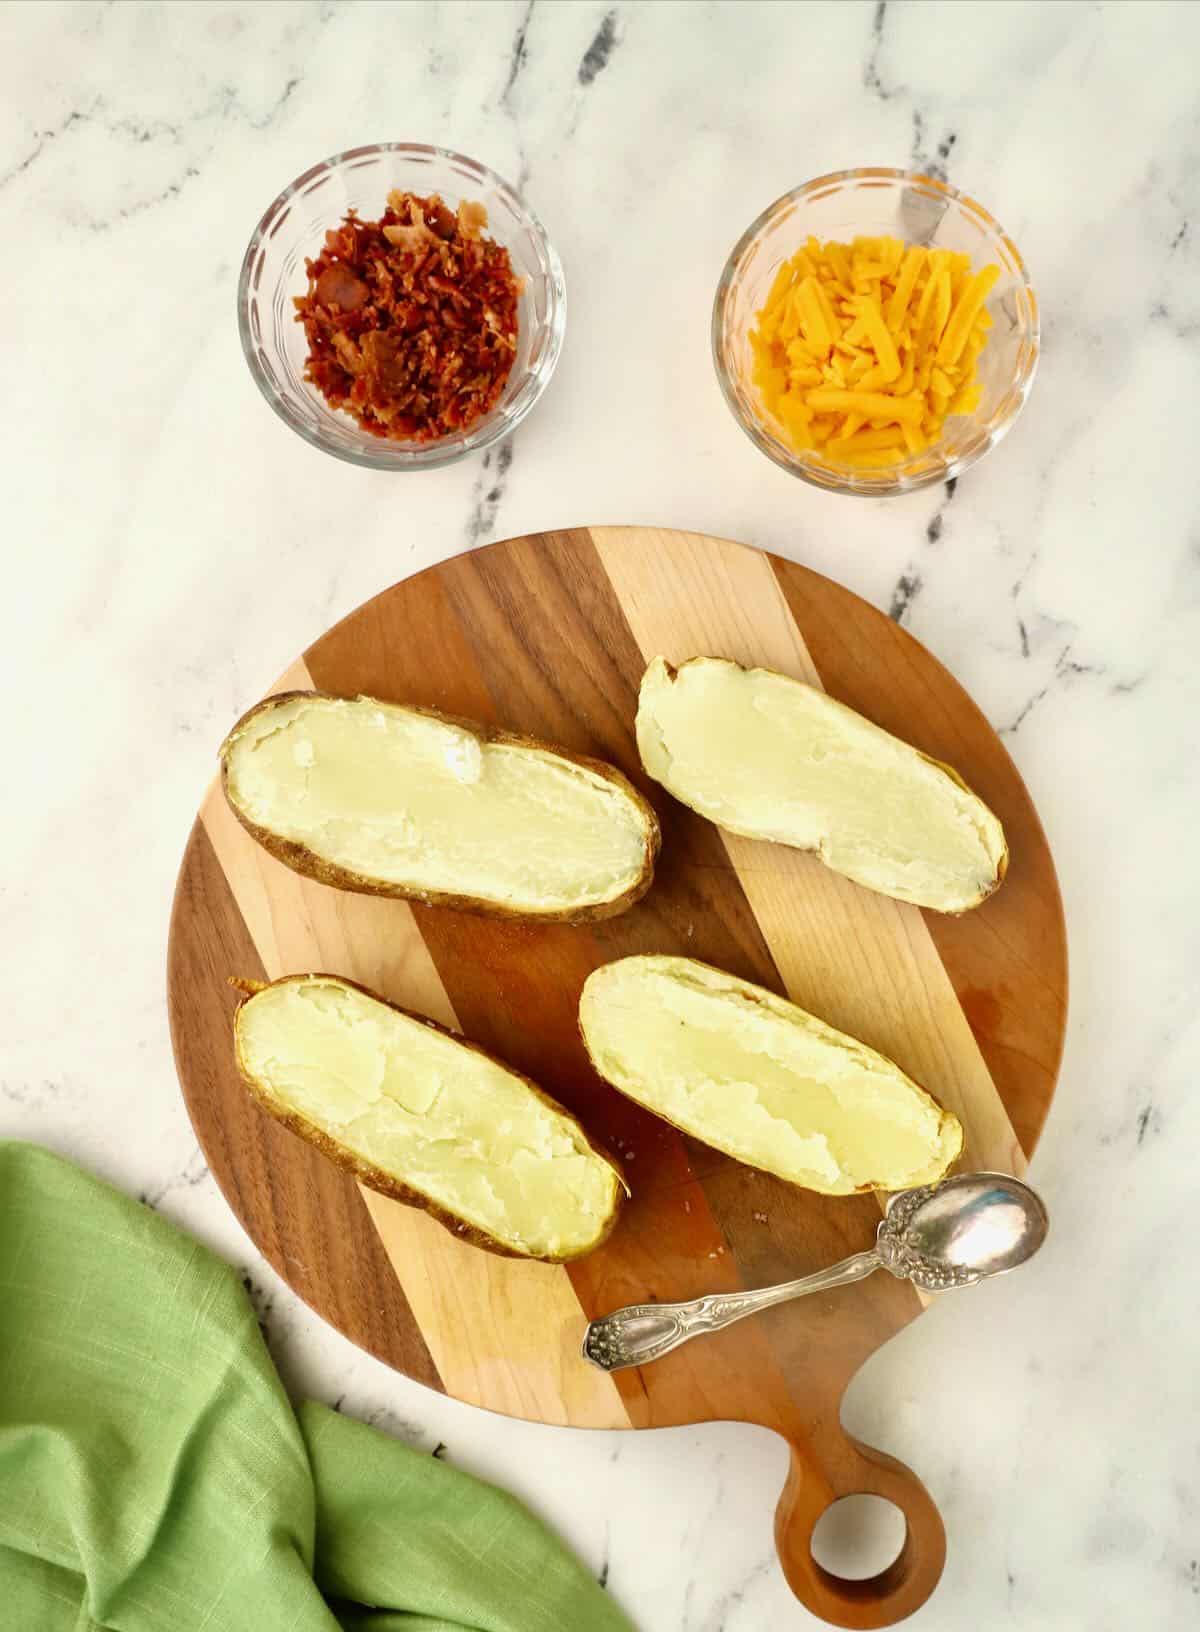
502 1333
861 961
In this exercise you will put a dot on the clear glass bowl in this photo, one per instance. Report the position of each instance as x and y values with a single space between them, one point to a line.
919 210
294 227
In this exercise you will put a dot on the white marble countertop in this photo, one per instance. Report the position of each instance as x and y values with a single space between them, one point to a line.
169 546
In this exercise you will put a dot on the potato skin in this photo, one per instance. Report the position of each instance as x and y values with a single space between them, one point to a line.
387 1184
302 860
752 996
1001 867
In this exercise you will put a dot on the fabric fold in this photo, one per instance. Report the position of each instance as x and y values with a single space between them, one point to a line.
153 1474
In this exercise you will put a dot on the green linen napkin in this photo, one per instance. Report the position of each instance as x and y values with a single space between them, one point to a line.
153 1475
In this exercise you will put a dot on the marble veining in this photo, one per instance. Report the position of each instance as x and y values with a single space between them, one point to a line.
488 492
170 547
595 59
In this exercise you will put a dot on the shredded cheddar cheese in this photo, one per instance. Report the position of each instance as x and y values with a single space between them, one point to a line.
863 350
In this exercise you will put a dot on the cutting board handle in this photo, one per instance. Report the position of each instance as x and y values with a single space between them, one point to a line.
823 1471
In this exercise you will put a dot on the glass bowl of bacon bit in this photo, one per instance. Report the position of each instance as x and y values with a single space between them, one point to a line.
875 332
400 307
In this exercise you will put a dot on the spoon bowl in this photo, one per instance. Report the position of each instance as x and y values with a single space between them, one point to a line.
982 1224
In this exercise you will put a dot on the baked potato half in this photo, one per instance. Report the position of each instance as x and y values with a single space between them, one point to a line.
772 758
387 799
425 1117
757 1077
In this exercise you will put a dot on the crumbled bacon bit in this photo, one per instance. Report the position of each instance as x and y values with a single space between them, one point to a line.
411 320
415 237
472 218
338 287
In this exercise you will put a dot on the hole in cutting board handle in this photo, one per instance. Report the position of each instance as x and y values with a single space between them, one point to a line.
858 1537
834 1465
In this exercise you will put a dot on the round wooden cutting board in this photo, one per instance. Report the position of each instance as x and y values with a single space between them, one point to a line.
549 635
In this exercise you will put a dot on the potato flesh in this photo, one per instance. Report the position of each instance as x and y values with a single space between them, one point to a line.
759 1078
405 799
772 758
440 1117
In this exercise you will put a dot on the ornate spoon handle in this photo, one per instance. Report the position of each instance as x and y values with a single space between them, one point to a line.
647 1331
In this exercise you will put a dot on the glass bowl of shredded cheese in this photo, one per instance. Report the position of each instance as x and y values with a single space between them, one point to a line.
875 332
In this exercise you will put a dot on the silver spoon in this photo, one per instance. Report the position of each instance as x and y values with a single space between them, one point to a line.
939 1236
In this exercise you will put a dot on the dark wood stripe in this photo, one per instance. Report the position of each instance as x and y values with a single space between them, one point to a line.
405 646
1006 959
282 1191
